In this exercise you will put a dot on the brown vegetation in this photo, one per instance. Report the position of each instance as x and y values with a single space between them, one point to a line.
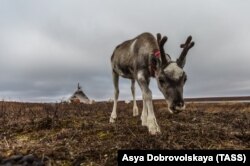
71 134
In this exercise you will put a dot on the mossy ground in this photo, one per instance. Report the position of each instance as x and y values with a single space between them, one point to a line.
79 134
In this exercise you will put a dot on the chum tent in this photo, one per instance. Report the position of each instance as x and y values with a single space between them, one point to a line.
79 96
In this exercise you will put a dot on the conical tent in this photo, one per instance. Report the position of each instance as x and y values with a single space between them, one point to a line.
79 96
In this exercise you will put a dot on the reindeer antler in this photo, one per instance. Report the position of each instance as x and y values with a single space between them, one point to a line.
186 46
161 42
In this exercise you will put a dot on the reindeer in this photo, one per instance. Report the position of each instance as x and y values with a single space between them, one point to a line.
143 57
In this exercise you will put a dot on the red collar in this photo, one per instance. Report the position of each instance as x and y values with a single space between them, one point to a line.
157 54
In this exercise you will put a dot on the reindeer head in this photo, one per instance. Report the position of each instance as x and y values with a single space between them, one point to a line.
170 75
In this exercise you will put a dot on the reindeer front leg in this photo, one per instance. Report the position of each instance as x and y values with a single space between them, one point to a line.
116 95
144 114
147 104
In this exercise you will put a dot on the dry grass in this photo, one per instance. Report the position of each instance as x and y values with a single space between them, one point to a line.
66 134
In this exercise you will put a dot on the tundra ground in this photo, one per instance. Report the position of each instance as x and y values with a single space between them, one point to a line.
79 134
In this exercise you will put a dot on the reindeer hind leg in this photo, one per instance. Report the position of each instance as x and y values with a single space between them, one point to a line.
116 95
135 108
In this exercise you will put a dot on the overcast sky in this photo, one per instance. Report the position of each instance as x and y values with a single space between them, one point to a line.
48 46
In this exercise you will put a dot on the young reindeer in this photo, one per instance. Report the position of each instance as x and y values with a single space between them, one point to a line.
143 57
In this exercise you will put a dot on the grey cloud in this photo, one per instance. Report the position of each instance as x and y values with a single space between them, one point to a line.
47 47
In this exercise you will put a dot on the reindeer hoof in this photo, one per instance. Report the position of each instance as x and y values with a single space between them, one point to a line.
154 131
112 120
153 127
